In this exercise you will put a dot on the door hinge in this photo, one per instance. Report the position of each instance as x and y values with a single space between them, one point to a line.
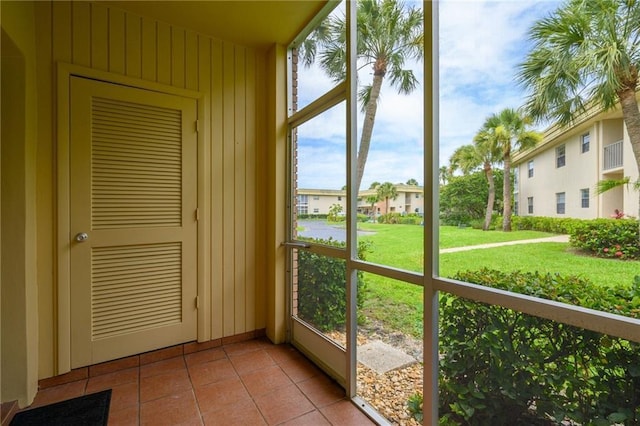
197 214
197 302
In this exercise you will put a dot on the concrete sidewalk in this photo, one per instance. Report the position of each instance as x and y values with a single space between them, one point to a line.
554 239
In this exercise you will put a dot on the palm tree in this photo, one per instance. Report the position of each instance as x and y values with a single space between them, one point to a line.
385 192
388 35
509 130
445 174
586 54
484 152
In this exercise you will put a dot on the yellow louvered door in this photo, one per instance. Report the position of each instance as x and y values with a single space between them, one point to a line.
133 200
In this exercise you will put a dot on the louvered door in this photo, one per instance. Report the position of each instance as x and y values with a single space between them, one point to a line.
133 178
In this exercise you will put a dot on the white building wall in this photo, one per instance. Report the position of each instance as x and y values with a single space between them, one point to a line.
581 171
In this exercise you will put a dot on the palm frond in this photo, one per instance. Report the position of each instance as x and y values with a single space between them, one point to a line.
605 185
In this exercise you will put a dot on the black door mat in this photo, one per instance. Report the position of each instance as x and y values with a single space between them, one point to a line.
86 410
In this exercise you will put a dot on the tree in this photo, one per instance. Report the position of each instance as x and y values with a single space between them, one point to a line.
484 152
463 200
445 174
586 54
412 182
388 35
385 192
509 130
334 212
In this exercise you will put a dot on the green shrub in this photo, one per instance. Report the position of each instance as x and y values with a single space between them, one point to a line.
312 216
362 217
556 225
614 238
502 367
322 297
398 218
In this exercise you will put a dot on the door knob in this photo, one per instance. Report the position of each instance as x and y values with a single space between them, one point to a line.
81 237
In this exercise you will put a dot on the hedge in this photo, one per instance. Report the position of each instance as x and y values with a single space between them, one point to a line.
322 297
502 367
403 219
615 238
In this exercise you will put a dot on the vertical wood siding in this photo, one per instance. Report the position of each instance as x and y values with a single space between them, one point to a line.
97 36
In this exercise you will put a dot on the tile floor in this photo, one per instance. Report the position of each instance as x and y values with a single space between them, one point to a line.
248 383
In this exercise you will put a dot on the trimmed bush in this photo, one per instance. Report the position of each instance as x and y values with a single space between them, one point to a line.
402 219
312 216
322 297
502 367
556 225
613 238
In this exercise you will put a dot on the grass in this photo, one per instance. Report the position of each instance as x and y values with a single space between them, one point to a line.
399 305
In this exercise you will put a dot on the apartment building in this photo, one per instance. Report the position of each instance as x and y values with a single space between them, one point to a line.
558 177
409 199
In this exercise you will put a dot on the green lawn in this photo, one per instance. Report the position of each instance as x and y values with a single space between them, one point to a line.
399 304
450 236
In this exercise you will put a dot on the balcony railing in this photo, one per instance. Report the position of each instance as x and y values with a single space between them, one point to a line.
612 156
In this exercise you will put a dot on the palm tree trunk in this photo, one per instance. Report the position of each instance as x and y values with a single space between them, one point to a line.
491 199
631 115
506 192
367 126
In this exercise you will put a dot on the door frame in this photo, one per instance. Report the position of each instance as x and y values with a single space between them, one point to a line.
62 210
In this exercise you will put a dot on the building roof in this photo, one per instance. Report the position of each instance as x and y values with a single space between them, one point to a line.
556 134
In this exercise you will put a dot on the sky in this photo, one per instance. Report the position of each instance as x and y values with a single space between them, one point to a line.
481 44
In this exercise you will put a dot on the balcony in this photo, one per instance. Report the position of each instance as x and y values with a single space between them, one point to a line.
612 156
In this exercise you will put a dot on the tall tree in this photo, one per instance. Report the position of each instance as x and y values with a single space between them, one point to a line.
385 192
510 132
412 181
586 54
445 174
485 153
389 34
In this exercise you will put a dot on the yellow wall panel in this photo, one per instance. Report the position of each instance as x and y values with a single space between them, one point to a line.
228 190
149 47
99 37
232 78
62 40
191 60
163 53
177 57
240 147
260 195
250 190
217 185
133 48
81 33
116 41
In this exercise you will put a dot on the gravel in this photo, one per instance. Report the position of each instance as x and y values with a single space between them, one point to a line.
388 393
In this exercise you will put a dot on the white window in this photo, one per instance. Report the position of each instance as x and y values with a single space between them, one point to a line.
560 203
560 156
530 165
585 143
530 205
584 197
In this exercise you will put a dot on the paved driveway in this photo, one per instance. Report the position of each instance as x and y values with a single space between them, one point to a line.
321 229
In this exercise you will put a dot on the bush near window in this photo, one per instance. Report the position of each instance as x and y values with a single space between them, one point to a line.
402 219
322 293
312 216
556 225
614 238
502 367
